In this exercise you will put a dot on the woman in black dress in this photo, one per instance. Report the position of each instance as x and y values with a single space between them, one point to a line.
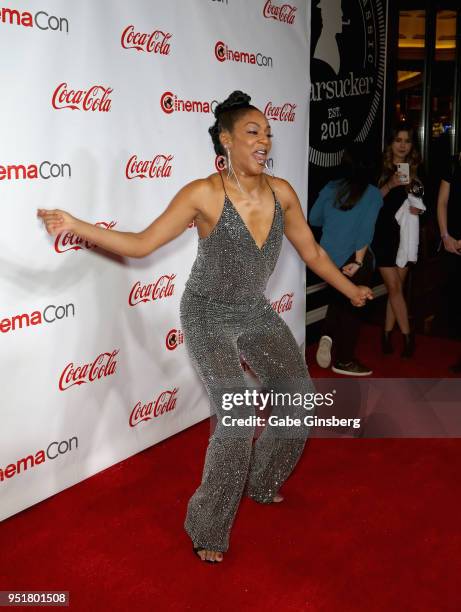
385 245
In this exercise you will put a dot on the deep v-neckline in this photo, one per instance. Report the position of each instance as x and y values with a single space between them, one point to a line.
259 248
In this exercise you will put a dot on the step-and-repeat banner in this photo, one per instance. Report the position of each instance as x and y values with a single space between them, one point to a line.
104 112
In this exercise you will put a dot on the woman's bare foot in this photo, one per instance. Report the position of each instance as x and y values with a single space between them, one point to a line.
212 556
278 498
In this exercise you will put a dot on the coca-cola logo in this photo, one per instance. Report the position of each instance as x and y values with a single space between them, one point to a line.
284 112
158 167
42 20
170 102
224 53
284 304
165 402
163 287
44 170
154 42
286 13
104 365
173 339
96 98
68 241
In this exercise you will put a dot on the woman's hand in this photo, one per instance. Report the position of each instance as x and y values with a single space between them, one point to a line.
395 180
56 221
362 294
416 211
451 245
350 269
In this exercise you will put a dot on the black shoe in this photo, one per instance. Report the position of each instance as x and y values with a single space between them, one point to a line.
386 343
408 345
352 368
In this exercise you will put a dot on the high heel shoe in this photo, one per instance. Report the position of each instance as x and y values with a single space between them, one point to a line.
408 345
386 343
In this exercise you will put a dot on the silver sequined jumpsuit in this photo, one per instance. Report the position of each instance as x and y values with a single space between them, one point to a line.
224 313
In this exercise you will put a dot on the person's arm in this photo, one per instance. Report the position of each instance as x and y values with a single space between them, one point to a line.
171 223
393 182
450 244
314 256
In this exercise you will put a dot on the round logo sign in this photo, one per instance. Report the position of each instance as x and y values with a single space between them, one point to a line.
347 75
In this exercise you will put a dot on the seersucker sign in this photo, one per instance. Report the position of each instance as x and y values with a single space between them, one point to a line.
347 75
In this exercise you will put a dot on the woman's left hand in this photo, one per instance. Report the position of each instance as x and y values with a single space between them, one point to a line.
350 269
416 211
361 295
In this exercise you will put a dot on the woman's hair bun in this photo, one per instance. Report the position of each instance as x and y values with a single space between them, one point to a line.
237 99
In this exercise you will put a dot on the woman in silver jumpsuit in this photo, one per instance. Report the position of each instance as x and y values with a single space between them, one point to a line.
241 216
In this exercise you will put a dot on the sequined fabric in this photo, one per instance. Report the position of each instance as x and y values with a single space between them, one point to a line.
224 313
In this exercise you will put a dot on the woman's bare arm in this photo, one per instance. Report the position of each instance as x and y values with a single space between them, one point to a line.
171 223
450 244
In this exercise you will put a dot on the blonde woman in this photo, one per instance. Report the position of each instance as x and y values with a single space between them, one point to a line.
386 241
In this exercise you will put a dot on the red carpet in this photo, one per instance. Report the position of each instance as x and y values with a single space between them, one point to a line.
367 525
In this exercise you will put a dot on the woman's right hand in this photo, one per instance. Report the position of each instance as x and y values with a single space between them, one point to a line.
394 181
361 295
56 220
451 245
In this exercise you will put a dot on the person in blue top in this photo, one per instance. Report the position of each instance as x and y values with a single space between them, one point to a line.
347 209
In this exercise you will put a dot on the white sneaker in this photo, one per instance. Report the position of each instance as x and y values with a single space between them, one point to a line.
323 355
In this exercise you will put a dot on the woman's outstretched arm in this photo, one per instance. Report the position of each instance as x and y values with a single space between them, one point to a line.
314 256
171 223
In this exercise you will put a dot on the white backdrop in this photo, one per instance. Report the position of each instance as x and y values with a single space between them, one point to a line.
93 368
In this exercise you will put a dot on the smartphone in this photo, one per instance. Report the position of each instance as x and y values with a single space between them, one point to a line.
404 172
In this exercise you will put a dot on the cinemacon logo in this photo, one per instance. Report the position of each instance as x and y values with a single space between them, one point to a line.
284 304
283 112
173 339
96 98
158 167
169 102
283 12
165 402
53 451
224 53
104 365
162 288
41 19
68 241
43 170
50 314
155 42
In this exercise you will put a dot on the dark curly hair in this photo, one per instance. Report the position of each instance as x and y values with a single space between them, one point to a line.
226 114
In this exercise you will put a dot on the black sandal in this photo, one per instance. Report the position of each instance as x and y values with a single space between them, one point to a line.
198 549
